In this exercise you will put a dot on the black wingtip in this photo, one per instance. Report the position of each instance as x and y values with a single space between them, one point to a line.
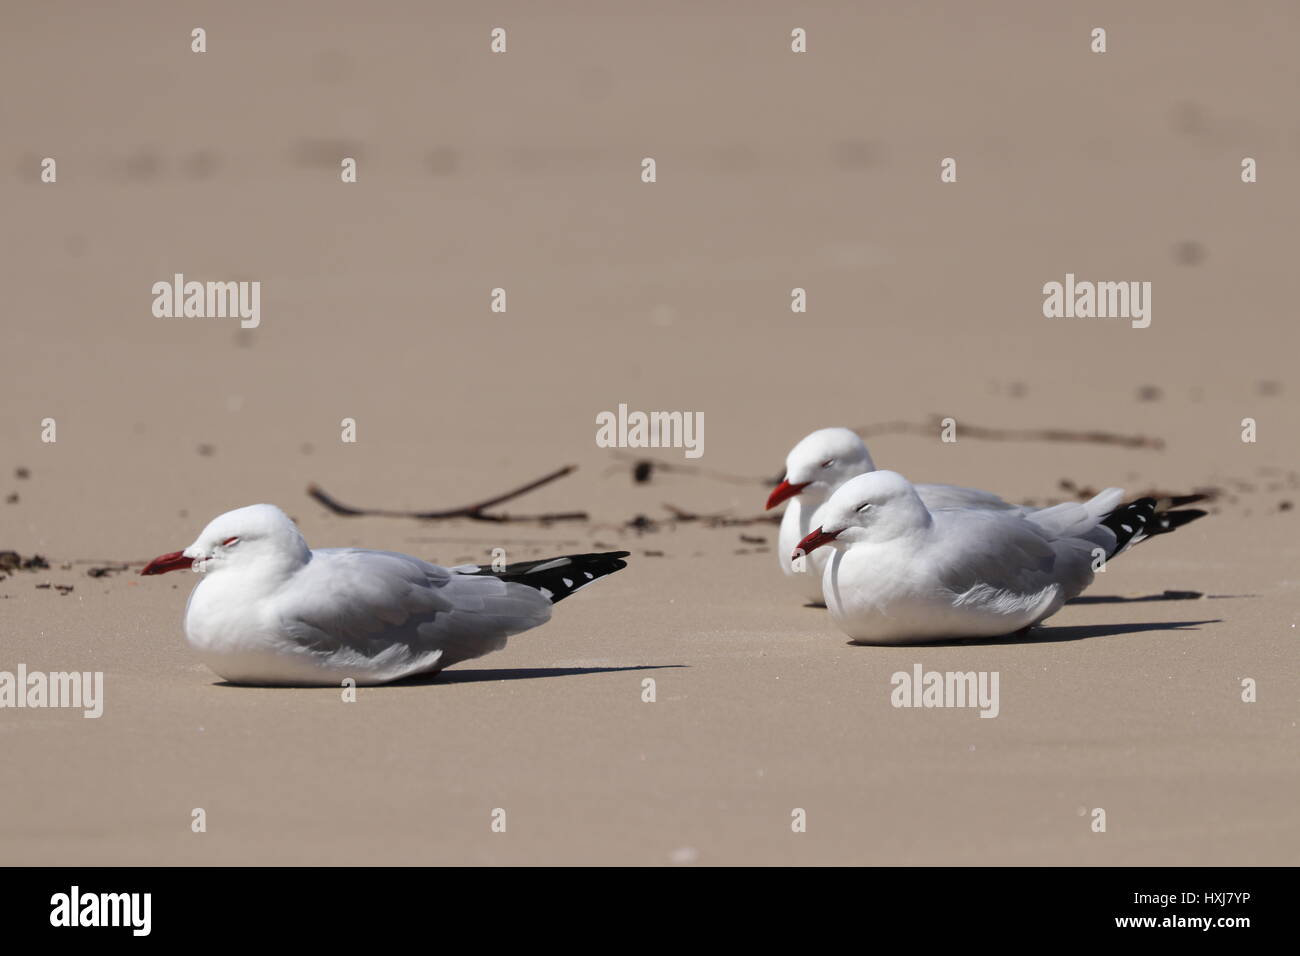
1138 520
1167 521
561 576
1131 521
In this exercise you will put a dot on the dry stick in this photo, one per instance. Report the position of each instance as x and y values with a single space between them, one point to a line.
476 512
719 519
1015 434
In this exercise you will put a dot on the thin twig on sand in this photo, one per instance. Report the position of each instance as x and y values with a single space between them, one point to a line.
475 512
718 519
1013 434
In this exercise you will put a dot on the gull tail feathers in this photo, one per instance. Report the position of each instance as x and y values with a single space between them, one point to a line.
557 578
1138 520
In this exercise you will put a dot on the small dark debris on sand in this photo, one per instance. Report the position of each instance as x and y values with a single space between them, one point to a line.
13 561
653 554
753 539
719 519
1167 498
21 473
11 498
1081 493
644 469
1189 252
106 570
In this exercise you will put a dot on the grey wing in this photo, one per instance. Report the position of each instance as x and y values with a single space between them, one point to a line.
390 614
1007 563
936 497
1082 519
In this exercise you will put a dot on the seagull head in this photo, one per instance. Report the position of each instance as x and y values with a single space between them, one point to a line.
821 463
258 534
871 507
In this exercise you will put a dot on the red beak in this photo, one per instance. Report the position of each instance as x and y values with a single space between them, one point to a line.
783 491
175 561
813 541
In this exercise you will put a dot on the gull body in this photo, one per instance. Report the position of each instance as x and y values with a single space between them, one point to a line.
900 573
269 610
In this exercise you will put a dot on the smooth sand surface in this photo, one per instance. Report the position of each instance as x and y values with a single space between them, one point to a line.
775 171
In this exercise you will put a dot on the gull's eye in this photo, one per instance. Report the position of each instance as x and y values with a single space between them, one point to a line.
230 541
828 462
862 508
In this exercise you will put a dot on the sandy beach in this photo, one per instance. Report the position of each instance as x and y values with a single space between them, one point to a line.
775 171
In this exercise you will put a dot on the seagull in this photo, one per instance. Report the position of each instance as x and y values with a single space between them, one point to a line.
901 573
270 610
814 469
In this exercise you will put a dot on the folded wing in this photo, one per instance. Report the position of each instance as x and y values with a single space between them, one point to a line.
392 615
1010 563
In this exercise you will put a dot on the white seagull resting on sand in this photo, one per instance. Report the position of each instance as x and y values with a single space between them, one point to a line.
822 462
901 573
814 469
270 610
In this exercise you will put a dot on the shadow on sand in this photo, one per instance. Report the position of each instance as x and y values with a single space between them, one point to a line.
473 675
1166 596
1120 599
1056 635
